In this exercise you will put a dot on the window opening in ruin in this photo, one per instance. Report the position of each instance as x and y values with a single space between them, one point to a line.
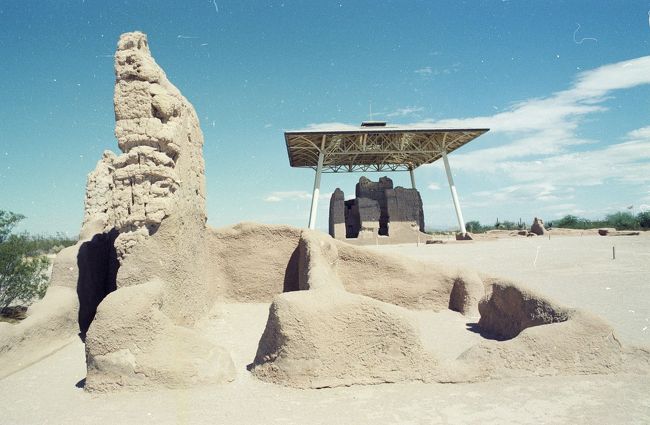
352 219
383 226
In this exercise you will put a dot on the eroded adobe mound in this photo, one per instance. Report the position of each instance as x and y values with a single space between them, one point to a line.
536 336
132 344
324 336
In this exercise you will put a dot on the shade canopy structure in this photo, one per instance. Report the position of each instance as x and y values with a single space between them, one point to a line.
375 147
371 148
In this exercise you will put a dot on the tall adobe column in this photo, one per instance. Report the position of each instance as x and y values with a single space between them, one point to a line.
161 170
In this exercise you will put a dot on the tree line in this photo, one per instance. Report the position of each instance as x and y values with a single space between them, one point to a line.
618 220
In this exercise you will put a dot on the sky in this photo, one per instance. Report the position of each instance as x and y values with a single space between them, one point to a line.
564 87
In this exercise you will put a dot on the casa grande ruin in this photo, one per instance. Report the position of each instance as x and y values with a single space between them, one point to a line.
379 209
144 285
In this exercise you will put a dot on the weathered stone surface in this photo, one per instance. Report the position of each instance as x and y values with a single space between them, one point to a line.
468 290
337 213
99 191
366 188
161 171
538 227
405 205
508 309
369 210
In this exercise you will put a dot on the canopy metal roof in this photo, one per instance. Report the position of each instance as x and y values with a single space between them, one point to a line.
374 148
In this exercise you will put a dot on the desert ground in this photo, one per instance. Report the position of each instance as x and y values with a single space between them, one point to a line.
577 271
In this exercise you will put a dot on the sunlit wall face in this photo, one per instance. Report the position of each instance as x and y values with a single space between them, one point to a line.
562 85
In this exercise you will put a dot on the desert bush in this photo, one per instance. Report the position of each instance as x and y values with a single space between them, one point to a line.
45 244
644 219
474 227
22 274
623 221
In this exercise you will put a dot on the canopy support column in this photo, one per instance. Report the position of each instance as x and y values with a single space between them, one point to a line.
454 195
316 192
412 178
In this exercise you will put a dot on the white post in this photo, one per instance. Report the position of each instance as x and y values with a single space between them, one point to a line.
315 194
454 195
412 178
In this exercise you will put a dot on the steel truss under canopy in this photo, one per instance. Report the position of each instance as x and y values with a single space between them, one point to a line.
375 147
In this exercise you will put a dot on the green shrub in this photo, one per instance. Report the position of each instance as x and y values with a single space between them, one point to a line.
22 274
622 221
644 219
474 227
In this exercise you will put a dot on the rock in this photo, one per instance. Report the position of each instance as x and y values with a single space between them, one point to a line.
434 241
613 232
538 227
508 309
464 237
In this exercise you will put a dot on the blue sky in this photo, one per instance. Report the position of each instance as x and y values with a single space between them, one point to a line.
564 85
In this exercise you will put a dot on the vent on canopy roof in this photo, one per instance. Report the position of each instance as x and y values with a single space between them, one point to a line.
373 124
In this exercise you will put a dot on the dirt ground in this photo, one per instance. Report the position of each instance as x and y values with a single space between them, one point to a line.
578 271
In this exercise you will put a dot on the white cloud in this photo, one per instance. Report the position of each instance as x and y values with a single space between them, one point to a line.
293 195
402 112
539 151
433 186
424 71
328 126
541 134
428 71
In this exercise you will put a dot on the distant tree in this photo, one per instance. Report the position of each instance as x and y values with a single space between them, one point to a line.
622 220
22 274
474 227
644 219
568 222
508 225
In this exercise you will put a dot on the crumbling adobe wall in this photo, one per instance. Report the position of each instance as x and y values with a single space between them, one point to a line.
530 335
378 210
161 169
157 207
323 336
337 213
405 205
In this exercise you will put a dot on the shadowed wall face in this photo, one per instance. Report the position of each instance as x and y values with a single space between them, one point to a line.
98 265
